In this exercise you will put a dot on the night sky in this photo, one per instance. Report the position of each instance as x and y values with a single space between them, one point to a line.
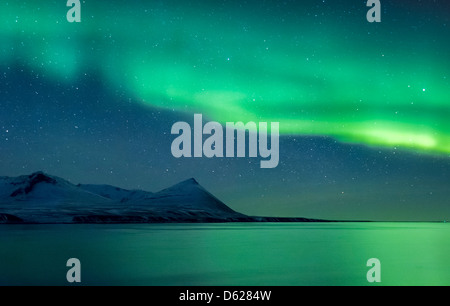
363 107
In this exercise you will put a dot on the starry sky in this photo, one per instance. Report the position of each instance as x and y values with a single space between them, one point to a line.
363 107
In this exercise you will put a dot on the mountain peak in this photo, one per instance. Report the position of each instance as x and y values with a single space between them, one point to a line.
190 181
33 180
40 175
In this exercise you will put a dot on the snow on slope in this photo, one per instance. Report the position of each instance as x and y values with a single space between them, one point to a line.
116 193
41 198
42 188
190 194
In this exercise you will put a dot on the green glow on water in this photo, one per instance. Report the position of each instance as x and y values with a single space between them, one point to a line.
227 254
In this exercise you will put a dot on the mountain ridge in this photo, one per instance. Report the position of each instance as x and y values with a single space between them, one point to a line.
43 198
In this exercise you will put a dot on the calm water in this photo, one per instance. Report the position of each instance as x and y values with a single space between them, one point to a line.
226 254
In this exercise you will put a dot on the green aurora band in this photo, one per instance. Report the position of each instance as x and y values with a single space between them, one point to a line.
315 71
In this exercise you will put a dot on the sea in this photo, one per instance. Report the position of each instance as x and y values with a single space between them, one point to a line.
231 254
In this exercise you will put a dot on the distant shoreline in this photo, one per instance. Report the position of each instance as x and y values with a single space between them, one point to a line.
268 220
40 198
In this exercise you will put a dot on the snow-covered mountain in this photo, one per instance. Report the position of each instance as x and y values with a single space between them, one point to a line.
42 198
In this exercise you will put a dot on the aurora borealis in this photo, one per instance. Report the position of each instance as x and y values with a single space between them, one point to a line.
296 65
317 67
